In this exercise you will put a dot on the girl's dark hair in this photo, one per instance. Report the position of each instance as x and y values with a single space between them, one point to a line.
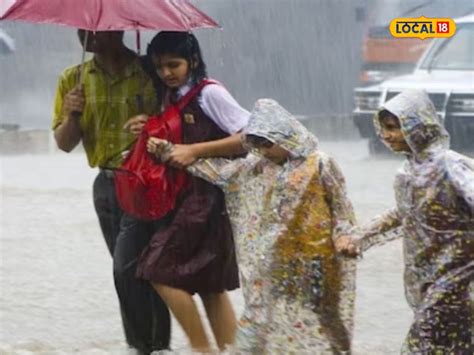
384 115
181 44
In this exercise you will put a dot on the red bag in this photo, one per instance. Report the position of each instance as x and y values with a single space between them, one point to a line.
145 188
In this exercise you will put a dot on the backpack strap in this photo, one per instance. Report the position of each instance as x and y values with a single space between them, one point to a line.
184 101
174 121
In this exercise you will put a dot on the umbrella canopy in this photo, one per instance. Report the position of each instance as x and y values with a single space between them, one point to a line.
7 44
109 15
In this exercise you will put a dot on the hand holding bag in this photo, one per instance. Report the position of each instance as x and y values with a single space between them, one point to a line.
146 188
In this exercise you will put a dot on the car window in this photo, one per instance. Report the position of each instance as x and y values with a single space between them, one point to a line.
456 53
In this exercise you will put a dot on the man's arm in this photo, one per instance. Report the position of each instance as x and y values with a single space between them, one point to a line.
68 133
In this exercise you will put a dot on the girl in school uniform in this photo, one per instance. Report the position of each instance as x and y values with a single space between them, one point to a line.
193 249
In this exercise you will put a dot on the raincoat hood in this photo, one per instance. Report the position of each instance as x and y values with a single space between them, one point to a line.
422 128
271 121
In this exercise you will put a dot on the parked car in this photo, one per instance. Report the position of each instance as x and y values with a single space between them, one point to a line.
384 56
446 72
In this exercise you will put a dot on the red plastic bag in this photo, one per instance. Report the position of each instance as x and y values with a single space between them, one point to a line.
145 188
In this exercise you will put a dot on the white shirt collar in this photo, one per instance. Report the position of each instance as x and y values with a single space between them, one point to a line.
183 90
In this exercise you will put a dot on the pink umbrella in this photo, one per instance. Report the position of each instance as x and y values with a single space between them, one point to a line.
109 15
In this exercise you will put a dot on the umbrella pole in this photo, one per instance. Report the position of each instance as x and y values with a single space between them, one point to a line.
139 97
84 46
77 114
139 43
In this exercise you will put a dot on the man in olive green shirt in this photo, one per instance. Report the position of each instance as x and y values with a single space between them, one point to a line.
114 88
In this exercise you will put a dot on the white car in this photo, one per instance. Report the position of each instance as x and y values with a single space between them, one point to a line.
446 72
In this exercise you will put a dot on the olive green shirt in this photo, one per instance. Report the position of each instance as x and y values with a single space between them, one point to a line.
110 101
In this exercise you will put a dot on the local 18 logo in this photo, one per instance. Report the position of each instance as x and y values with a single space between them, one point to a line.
422 27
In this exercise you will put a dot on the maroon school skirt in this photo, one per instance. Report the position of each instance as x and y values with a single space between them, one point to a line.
193 249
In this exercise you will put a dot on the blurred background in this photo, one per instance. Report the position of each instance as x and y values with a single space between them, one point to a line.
330 62
307 54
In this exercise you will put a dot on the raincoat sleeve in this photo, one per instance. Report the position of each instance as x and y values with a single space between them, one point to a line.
221 171
462 177
343 217
380 230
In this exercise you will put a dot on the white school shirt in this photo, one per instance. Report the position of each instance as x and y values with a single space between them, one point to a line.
219 105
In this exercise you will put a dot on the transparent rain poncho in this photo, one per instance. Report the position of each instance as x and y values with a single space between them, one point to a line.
299 295
434 191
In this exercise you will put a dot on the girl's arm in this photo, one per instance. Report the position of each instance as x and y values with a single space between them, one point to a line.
184 155
461 175
380 230
219 105
220 171
343 217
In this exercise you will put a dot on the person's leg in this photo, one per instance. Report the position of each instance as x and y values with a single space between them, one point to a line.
109 215
185 310
222 318
145 315
150 323
107 209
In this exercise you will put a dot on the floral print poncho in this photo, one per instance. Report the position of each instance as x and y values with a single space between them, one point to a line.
299 295
434 191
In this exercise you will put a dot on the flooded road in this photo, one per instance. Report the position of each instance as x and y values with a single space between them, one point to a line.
57 294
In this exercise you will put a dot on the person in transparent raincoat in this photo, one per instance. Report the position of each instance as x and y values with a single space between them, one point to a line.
434 192
289 209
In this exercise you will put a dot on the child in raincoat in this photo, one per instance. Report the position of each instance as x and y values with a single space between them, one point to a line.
434 192
288 207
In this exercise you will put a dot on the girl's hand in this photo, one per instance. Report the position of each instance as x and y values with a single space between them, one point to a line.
347 245
182 156
135 124
156 146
